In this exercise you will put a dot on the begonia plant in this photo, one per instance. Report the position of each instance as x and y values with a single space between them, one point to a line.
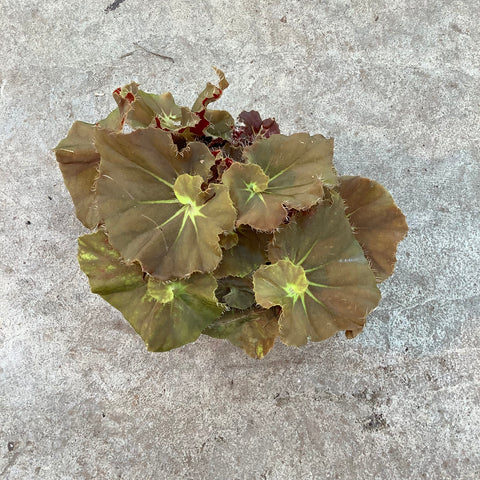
202 225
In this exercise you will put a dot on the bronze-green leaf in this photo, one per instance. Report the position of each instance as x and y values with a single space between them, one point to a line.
78 160
378 224
221 124
228 240
145 109
212 123
211 92
256 206
166 315
321 278
254 330
248 254
280 171
236 292
155 211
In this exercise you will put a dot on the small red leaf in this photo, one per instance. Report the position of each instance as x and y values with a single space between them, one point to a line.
253 127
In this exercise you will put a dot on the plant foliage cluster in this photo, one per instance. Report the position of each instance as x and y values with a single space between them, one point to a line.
202 225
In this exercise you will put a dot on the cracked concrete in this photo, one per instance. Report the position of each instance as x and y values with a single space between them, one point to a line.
398 86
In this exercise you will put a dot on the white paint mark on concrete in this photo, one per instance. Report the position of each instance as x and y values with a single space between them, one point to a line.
4 82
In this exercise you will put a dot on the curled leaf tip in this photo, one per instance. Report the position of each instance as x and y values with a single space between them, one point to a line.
378 224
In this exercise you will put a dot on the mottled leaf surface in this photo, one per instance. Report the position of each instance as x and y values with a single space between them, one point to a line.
378 224
153 206
254 330
321 278
166 315
78 160
280 171
107 272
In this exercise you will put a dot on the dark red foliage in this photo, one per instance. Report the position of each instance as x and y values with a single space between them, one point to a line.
253 127
203 123
221 164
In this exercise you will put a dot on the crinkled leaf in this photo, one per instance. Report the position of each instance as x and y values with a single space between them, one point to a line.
254 330
236 292
154 212
78 161
378 224
145 109
247 255
211 92
221 165
212 123
166 315
253 127
321 278
233 151
280 172
124 97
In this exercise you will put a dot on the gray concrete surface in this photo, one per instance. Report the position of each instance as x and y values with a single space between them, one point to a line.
397 83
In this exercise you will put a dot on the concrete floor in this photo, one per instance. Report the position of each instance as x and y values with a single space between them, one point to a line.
397 83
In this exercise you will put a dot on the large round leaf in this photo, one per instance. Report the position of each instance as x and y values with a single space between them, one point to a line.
166 315
78 160
280 172
321 278
248 189
154 209
378 224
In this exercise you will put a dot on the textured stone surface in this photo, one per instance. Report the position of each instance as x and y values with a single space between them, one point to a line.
398 85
